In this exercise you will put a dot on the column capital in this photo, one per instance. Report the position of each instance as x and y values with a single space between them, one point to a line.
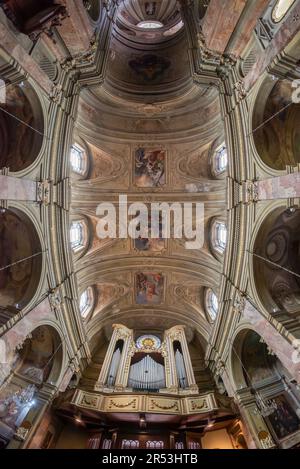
44 192
249 192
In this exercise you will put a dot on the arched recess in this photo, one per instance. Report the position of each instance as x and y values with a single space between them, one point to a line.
18 240
275 124
93 7
21 127
41 355
248 369
277 243
37 361
258 370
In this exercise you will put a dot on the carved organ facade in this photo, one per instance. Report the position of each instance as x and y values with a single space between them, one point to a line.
147 364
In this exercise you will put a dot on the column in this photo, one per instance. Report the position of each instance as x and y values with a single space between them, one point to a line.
220 22
276 46
108 357
170 367
187 361
30 426
254 421
10 44
120 332
127 353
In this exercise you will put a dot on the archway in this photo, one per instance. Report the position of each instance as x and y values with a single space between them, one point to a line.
265 382
37 362
18 242
41 355
21 127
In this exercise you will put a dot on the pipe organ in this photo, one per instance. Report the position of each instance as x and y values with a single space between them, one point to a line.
147 375
147 363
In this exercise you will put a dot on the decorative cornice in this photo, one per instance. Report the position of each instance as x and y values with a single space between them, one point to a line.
137 403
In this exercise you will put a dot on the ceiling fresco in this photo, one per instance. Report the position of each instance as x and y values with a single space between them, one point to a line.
150 133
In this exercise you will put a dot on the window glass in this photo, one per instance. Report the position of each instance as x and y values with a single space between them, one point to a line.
76 234
212 304
221 159
280 9
86 302
78 159
220 236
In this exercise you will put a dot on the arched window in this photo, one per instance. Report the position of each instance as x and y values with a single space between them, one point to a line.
78 159
86 302
77 235
194 445
130 444
221 159
179 445
154 444
219 236
106 444
212 304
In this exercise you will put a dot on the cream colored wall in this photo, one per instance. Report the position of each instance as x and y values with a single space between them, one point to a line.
218 439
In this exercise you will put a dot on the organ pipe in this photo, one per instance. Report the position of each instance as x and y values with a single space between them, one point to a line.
114 367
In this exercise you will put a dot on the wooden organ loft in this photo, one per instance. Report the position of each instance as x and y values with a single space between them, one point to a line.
146 396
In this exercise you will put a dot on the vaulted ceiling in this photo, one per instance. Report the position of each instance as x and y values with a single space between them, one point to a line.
134 17
148 101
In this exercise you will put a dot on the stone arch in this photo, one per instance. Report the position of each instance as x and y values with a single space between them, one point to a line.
21 127
277 242
276 137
